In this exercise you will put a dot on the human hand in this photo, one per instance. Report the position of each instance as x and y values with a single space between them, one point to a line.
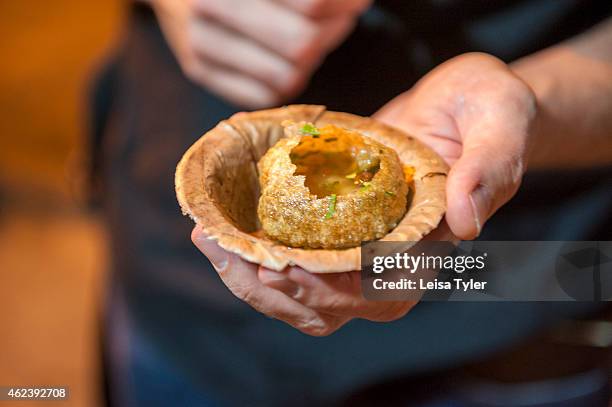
254 53
479 117
316 304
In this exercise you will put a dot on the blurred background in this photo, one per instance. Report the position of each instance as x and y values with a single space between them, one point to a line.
53 254
50 298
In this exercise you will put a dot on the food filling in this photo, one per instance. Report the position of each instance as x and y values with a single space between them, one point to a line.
334 161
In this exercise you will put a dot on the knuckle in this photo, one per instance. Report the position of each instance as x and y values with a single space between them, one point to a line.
318 332
323 332
291 81
517 169
514 169
305 43
272 98
202 6
252 103
191 39
244 292
335 303
280 75
315 327
193 70
189 69
265 99
313 7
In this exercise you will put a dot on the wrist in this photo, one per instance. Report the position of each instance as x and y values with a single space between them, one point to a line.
574 93
530 71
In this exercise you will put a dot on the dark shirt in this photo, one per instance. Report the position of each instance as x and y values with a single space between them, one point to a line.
186 331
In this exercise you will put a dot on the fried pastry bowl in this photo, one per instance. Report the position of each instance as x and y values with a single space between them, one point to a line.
330 181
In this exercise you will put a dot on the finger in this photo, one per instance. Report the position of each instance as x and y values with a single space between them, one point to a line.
333 31
279 281
327 8
430 125
335 294
232 86
244 56
488 173
442 233
340 294
241 279
292 35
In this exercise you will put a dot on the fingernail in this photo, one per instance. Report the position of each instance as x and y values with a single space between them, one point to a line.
215 254
480 199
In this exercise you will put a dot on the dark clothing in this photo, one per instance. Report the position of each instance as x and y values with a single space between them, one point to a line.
184 335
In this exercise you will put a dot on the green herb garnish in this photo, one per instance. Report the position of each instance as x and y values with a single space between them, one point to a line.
332 206
310 130
389 193
365 186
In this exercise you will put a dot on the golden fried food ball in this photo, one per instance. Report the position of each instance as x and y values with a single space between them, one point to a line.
329 188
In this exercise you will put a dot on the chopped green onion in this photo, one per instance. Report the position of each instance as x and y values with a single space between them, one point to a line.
389 193
310 129
332 206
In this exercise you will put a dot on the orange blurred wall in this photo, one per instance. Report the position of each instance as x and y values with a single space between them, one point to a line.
48 50
53 253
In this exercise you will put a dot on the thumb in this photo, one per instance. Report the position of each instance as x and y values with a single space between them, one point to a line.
485 177
216 255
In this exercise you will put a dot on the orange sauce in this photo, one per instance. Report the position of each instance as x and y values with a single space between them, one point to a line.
409 173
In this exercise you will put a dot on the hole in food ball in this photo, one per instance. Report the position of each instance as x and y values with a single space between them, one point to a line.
334 161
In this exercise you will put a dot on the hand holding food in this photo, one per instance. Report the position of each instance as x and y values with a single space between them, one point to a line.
472 110
254 53
284 197
317 304
478 115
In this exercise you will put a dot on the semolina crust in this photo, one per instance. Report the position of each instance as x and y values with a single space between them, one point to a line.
292 215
